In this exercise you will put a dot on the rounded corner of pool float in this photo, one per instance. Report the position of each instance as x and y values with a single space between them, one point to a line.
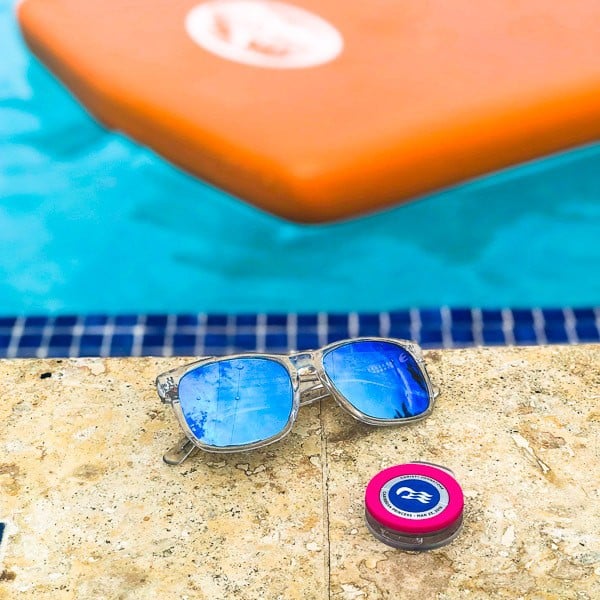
303 112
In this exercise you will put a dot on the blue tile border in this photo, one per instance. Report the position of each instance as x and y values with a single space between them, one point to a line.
217 334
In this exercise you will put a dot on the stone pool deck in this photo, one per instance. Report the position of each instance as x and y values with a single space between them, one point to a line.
92 512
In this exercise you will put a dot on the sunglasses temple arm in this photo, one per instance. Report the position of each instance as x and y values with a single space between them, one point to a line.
180 452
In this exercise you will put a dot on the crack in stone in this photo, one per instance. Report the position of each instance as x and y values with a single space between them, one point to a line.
325 483
522 443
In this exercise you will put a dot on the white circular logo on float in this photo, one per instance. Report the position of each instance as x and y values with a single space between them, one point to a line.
263 33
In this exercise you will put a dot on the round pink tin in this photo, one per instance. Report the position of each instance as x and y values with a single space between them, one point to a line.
414 506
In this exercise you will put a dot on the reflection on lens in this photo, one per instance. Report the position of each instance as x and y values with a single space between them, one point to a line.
380 379
237 401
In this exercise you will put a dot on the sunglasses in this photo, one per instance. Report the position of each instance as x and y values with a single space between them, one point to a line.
246 401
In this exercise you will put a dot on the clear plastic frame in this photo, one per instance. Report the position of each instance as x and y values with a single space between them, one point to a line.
355 372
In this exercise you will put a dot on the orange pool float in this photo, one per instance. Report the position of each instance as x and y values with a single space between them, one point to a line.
318 110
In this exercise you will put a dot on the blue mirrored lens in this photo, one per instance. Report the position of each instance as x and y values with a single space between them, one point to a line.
380 379
237 401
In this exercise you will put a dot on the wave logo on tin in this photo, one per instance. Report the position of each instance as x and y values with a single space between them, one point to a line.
407 493
263 33
414 497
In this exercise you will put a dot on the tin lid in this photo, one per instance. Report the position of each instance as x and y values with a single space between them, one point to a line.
414 499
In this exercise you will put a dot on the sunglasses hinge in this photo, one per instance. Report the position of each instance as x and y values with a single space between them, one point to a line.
167 389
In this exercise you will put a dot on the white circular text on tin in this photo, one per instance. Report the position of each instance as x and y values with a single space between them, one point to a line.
414 497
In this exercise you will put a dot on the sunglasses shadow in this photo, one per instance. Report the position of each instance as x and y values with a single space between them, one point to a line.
346 429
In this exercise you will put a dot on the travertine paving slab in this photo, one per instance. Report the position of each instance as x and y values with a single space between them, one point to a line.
92 512
520 428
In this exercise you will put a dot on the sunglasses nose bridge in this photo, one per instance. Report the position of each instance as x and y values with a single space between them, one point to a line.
310 385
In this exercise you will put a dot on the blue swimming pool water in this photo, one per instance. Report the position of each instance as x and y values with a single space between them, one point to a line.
92 222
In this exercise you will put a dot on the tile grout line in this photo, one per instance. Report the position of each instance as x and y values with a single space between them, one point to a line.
570 325
325 487
76 335
446 316
415 325
291 328
384 324
47 331
477 326
200 335
15 337
261 332
137 332
508 325
108 331
322 328
169 335
539 324
229 334
353 325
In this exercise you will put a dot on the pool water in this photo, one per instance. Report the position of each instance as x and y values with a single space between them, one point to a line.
92 222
